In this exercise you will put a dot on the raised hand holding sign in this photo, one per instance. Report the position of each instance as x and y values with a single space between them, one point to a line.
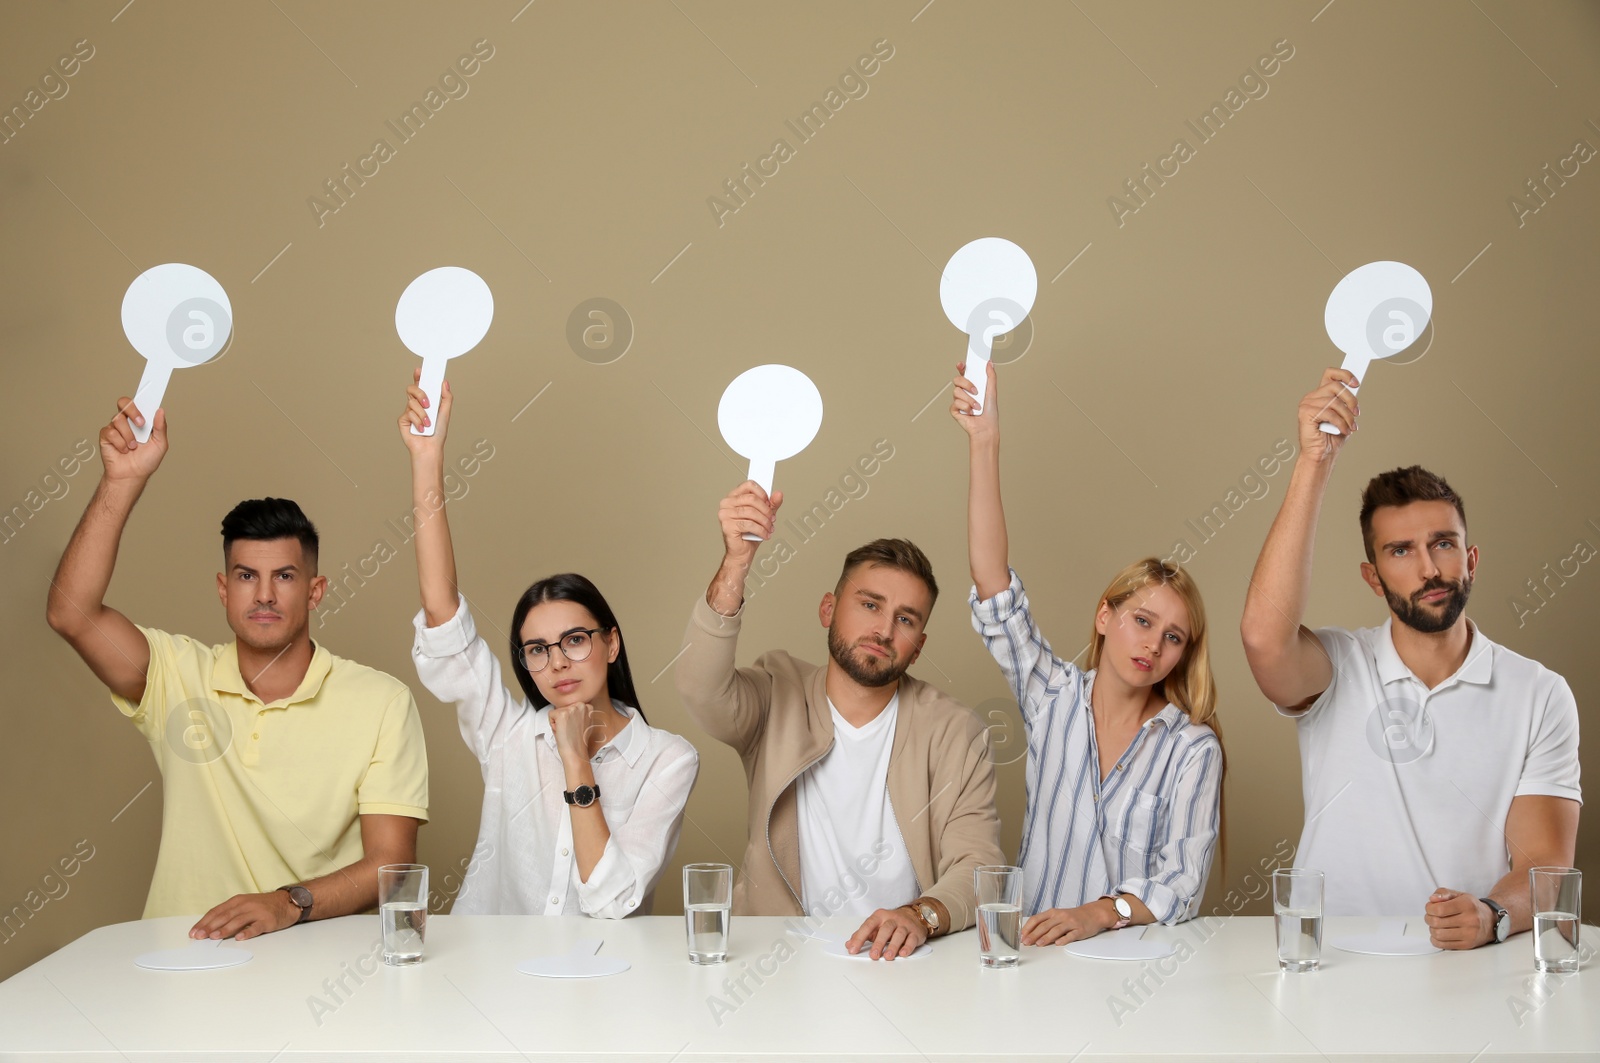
1375 312
441 315
176 316
987 289
767 414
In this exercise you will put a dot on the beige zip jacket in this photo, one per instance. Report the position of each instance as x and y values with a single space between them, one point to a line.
775 715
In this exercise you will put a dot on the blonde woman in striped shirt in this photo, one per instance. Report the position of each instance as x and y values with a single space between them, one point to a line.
1125 762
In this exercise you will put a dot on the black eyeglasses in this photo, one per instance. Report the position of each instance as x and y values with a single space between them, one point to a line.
575 646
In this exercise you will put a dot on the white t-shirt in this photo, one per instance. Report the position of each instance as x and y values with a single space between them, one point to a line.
1406 788
852 858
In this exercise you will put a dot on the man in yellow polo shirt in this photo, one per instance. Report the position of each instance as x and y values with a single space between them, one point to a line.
291 775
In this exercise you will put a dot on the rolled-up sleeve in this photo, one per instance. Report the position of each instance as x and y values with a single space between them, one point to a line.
1032 671
1173 888
642 841
457 666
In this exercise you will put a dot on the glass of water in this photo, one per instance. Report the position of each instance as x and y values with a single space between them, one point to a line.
403 910
1557 896
999 895
707 902
1297 904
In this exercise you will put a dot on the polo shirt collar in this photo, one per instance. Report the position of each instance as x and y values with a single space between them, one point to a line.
630 741
1477 668
227 679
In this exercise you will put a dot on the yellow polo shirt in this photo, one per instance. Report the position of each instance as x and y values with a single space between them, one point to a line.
260 796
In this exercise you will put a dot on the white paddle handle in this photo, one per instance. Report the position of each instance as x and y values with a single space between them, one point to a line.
1356 366
977 369
432 385
152 388
762 471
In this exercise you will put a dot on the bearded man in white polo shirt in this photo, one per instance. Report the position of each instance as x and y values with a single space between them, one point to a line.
1437 766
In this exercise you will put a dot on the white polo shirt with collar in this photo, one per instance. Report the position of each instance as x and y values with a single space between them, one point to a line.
1407 789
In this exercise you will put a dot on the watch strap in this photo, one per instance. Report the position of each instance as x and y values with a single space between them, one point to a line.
1116 905
1502 919
305 909
941 916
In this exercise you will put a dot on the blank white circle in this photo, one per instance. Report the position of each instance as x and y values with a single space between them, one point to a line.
987 269
444 313
148 304
770 412
1360 292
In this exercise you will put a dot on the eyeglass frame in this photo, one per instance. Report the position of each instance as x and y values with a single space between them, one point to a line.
522 650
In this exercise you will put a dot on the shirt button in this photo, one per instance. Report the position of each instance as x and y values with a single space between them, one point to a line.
563 852
633 904
256 736
555 900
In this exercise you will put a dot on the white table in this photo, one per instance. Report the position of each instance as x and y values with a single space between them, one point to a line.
1225 999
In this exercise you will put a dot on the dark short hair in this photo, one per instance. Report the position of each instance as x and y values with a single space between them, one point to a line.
571 587
262 519
1401 487
902 554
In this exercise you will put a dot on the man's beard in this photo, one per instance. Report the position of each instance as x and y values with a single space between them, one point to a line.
889 671
1417 617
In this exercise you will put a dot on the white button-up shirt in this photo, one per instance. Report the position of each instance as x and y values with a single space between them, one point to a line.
1148 829
523 863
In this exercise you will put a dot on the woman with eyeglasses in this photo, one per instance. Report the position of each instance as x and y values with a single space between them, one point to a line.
583 800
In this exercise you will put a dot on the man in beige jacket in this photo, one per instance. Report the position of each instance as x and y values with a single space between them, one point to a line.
871 792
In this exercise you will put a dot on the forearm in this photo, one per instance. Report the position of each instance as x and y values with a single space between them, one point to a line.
436 560
78 591
1281 582
590 832
726 592
988 550
1511 893
353 888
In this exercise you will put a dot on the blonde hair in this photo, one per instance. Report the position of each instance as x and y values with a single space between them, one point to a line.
1190 685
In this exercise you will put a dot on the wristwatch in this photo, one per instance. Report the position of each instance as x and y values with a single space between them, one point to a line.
926 914
1502 919
583 796
301 898
1124 911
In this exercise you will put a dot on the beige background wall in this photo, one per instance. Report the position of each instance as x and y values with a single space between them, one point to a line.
1166 360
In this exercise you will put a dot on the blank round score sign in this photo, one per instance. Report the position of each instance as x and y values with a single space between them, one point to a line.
767 414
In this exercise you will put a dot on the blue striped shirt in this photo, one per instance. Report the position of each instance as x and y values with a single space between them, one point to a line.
1148 829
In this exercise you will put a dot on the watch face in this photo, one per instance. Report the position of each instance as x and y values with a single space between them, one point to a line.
300 896
1124 909
584 796
929 916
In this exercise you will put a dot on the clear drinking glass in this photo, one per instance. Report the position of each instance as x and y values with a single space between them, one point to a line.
1297 904
1557 901
999 895
707 904
403 910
